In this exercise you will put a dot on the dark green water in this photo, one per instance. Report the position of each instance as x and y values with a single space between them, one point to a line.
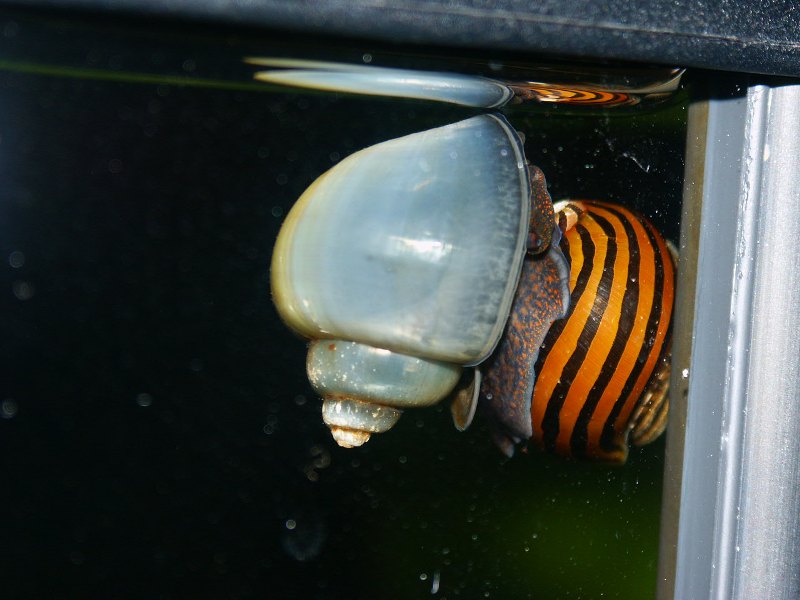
160 439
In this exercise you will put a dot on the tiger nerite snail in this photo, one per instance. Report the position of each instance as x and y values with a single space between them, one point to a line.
417 257
602 372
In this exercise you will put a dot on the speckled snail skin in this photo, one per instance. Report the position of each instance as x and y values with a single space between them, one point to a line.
403 263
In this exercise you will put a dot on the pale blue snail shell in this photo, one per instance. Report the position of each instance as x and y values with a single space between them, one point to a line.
402 261
452 88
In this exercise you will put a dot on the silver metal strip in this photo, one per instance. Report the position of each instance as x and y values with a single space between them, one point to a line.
767 552
739 524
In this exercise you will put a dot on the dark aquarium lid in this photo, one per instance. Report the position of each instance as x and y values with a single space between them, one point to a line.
747 36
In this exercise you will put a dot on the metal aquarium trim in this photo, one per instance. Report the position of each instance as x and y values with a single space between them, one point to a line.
738 531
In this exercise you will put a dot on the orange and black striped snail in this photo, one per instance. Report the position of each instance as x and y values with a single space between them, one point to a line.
418 257
602 372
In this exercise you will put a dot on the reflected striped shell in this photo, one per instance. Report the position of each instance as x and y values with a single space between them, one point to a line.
603 371
573 96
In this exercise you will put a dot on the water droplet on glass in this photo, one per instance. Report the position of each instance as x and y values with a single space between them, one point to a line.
8 409
144 400
16 259
23 290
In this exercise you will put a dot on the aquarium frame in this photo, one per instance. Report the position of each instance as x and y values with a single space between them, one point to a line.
733 453
756 36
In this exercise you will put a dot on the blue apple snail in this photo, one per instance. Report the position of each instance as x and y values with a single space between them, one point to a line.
401 263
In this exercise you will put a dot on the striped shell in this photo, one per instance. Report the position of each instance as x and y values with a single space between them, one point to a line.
601 372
